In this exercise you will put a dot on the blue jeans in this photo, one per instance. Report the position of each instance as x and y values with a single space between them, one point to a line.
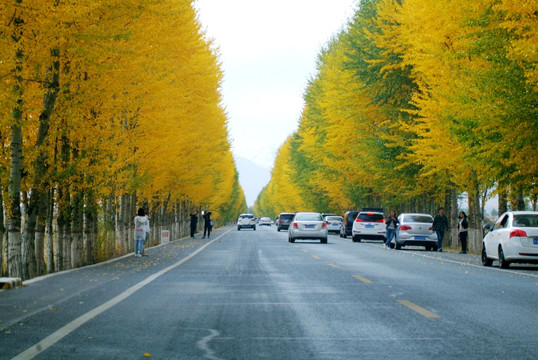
390 235
139 246
440 236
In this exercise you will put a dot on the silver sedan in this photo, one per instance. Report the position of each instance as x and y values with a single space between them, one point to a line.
415 229
307 225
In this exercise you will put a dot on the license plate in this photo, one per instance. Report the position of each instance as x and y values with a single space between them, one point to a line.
369 226
535 241
420 237
310 226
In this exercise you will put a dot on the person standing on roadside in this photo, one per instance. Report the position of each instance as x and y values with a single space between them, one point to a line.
440 226
208 223
142 228
194 222
391 222
463 225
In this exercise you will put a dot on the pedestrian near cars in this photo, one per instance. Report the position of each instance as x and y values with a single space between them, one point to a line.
194 222
391 222
463 225
440 226
141 230
208 223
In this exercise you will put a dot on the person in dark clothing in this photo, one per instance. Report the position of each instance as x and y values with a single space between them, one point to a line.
194 222
463 225
208 223
440 226
392 223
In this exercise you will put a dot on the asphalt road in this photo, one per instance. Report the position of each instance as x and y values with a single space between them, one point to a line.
252 295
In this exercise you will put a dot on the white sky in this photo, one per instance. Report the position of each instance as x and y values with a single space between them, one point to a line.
268 51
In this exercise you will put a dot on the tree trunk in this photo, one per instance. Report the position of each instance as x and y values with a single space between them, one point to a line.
474 241
76 229
454 216
2 230
50 232
14 261
503 202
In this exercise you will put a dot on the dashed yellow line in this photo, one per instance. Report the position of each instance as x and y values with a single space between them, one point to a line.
363 279
305 251
316 257
334 266
419 309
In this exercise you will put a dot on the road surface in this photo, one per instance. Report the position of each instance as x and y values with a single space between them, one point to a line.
252 295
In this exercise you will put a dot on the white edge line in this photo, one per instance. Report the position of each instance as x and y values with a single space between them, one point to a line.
59 334
47 276
473 265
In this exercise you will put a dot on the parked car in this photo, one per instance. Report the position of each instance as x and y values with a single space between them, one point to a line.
265 221
415 229
307 225
369 225
334 223
513 239
246 221
347 224
284 221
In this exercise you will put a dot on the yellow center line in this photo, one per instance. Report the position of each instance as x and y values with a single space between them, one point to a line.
419 309
305 251
334 266
363 279
316 257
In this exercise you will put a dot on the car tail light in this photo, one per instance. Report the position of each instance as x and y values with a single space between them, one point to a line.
323 225
358 220
431 229
295 226
518 233
405 227
380 221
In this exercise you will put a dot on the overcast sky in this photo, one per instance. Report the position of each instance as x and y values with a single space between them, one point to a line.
268 51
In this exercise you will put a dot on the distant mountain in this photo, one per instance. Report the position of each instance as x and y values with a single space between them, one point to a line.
252 178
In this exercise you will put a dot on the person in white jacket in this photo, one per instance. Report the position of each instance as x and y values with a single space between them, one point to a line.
141 229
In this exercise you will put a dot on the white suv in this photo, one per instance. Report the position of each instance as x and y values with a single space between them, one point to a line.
369 225
246 221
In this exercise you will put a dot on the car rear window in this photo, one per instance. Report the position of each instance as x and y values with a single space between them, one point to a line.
308 217
418 218
333 218
286 216
247 216
372 217
526 220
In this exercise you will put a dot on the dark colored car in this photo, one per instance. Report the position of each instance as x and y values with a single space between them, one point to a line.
284 221
347 224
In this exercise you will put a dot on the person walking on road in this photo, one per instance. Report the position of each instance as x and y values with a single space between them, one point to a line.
208 223
463 225
391 222
142 228
194 222
440 226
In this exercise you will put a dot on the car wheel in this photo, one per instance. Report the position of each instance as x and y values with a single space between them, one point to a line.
428 248
277 229
323 240
434 248
238 228
485 260
397 246
356 239
292 240
254 228
502 261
